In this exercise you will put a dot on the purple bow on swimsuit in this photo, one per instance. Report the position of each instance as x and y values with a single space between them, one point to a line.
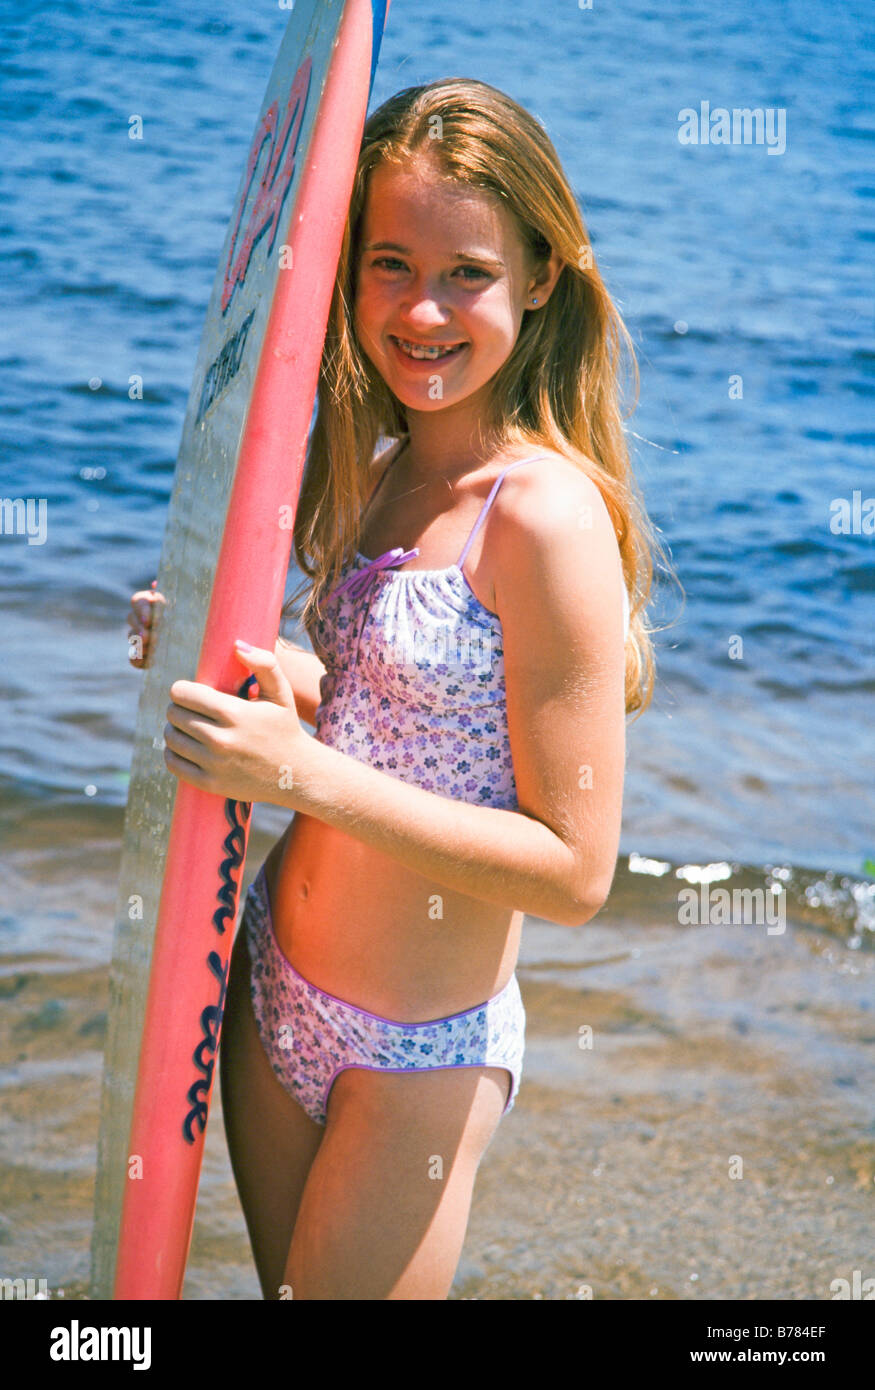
359 583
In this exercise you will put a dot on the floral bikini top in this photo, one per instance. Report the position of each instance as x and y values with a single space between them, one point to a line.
414 681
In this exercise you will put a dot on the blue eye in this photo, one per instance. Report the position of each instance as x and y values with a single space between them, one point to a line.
391 263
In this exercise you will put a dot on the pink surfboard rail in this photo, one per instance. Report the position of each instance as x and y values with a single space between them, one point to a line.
208 834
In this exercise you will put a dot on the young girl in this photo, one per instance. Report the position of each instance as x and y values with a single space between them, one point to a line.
473 664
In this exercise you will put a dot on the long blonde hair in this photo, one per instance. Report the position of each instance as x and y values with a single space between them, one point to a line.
560 386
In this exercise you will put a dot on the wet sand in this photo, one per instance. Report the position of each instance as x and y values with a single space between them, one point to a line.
610 1178
705 1047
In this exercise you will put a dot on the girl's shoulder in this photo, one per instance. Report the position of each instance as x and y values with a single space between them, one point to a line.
553 492
554 540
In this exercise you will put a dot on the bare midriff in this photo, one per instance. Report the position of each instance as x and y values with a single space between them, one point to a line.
361 926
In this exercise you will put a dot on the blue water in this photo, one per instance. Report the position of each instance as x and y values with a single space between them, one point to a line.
725 261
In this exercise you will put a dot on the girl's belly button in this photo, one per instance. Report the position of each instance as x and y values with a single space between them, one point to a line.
304 890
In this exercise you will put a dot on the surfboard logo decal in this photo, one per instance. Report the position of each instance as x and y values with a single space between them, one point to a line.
275 181
223 369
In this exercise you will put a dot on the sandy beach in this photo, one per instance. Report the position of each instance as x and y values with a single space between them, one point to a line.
611 1177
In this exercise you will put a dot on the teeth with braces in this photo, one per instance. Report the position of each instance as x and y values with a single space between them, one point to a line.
429 353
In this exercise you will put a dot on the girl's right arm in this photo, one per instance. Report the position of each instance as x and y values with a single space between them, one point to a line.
303 670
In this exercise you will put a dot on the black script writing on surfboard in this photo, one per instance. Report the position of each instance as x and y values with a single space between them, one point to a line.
234 845
211 1023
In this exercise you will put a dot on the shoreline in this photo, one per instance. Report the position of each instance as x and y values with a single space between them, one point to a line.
612 1172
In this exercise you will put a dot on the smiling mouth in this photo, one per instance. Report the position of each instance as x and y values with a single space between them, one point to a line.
427 352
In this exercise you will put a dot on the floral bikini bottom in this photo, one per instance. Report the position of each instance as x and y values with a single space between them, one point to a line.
310 1036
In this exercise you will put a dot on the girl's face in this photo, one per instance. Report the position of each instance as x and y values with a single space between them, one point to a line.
440 265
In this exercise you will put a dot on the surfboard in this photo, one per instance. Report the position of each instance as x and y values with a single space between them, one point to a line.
223 569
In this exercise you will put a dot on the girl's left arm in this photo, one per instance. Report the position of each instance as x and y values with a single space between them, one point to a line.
559 594
558 591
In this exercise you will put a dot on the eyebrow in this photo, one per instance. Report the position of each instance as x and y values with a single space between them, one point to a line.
405 251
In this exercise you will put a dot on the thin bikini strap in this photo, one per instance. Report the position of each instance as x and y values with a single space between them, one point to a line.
488 503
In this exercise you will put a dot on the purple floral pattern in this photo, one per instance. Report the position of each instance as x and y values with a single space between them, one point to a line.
310 1036
415 683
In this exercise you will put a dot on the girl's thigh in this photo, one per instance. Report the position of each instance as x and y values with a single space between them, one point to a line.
271 1140
386 1203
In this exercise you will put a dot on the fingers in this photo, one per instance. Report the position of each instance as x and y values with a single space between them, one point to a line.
140 619
142 604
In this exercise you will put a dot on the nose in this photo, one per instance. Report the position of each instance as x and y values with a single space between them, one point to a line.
423 307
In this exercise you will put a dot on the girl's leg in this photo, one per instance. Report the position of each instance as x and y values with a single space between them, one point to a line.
272 1142
386 1202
